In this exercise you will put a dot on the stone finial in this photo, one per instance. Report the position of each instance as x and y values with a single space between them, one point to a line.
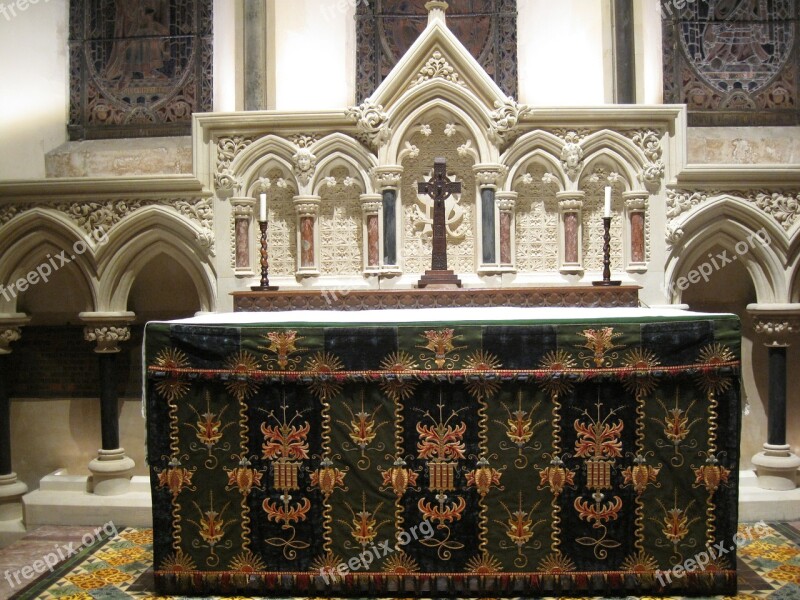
437 10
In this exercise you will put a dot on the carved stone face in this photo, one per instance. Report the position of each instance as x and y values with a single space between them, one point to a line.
572 155
303 160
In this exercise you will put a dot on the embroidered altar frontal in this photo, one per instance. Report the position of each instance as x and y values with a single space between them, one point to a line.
444 453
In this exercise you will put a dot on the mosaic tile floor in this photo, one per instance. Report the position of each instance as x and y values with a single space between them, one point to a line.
120 568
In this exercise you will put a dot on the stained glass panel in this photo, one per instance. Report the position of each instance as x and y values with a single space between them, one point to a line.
139 68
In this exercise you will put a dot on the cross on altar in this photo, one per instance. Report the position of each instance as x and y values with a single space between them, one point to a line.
439 188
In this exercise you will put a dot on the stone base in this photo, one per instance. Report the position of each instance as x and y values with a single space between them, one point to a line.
776 468
64 499
439 279
111 472
759 504
11 492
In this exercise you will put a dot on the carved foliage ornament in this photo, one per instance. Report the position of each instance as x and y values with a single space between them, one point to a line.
9 335
782 206
304 161
437 67
372 123
505 120
102 216
649 142
107 337
228 148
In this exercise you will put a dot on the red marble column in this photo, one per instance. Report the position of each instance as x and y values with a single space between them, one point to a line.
307 241
636 207
307 208
371 205
570 205
506 205
242 214
571 227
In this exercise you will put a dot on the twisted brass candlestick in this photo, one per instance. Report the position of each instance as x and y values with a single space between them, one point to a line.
606 256
264 286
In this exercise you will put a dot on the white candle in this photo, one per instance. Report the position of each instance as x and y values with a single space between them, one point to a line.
608 201
262 208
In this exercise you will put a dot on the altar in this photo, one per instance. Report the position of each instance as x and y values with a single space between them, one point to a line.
444 452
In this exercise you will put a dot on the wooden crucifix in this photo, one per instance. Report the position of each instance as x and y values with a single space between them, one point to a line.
439 188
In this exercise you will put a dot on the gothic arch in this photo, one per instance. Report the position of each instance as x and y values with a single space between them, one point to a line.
537 157
145 235
339 159
252 157
265 164
470 114
727 223
37 233
338 144
614 143
538 143
611 157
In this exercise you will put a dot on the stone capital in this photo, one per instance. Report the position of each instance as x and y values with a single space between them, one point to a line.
570 201
387 177
636 201
107 330
777 323
490 175
506 201
242 208
307 206
371 203
10 330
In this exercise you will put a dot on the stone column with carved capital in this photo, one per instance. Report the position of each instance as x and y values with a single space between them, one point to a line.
489 177
112 469
506 203
307 208
636 221
778 325
387 181
570 206
11 489
371 205
242 212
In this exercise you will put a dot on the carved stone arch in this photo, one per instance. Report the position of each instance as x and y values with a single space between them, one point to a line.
613 141
251 184
145 235
327 164
539 156
608 157
43 229
470 113
537 143
727 223
343 145
247 164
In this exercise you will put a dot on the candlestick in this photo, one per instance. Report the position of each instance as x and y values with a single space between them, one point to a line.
606 255
608 201
262 208
264 286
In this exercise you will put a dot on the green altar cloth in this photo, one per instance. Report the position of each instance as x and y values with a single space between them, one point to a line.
445 452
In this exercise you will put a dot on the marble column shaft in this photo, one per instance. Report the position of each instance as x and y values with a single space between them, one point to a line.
624 53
